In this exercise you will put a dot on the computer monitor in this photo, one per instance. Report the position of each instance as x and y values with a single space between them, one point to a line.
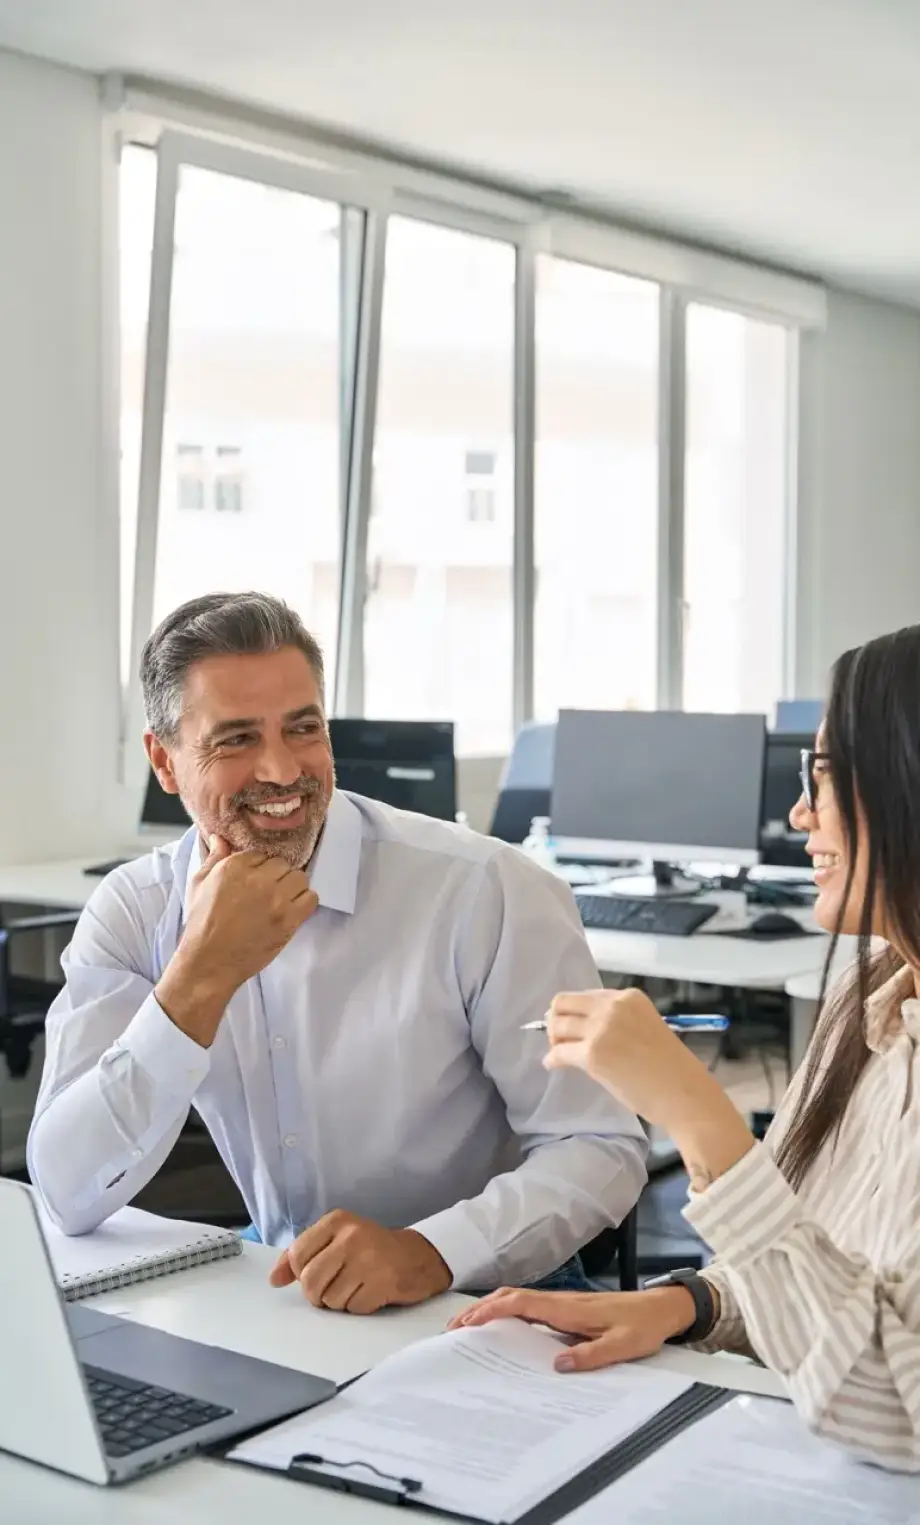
406 763
161 809
781 847
664 785
800 716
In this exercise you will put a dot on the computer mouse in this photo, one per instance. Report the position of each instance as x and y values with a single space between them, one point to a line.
775 924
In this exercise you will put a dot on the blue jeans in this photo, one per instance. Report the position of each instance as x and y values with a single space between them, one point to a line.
569 1277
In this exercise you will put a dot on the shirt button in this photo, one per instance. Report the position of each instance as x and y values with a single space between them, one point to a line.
279 1042
137 1154
290 1139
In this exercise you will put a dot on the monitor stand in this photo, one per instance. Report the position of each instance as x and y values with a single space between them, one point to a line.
663 883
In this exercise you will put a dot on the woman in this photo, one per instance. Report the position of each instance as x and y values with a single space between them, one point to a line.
817 1231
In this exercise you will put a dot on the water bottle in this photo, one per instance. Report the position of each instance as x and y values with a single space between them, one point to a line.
539 845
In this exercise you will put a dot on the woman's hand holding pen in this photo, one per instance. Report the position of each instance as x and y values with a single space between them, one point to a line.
621 1041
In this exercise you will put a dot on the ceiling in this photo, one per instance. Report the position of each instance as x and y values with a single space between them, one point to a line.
788 130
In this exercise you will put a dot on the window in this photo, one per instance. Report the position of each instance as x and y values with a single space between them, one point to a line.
189 478
438 617
595 489
276 307
228 480
137 191
253 355
481 495
735 511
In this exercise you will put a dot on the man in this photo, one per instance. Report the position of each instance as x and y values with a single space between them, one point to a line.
338 989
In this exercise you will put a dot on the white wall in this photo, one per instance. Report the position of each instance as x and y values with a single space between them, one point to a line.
859 482
58 627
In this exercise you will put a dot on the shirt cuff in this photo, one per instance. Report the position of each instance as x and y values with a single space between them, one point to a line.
466 1252
169 1056
747 1210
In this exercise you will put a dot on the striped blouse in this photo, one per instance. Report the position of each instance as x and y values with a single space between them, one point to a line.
823 1284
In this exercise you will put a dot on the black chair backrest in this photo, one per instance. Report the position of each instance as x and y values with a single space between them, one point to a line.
515 809
615 1247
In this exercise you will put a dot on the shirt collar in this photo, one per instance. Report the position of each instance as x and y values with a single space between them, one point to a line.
893 1009
333 874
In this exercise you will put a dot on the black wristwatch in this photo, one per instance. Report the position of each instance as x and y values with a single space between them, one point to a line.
701 1292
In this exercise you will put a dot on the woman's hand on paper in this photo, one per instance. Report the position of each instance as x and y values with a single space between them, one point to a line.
611 1326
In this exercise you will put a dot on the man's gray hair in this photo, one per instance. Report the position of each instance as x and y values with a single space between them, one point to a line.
218 624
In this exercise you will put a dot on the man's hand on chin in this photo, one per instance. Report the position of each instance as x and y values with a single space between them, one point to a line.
356 1266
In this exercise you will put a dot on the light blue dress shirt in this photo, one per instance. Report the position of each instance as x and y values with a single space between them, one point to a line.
377 1064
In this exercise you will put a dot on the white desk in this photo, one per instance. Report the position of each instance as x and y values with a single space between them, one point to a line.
61 885
705 958
708 959
230 1304
804 990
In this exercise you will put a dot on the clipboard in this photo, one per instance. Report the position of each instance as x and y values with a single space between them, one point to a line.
364 1480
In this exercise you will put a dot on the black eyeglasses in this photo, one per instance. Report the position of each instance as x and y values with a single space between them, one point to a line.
809 780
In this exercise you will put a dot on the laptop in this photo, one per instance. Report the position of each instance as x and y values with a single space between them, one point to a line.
106 1399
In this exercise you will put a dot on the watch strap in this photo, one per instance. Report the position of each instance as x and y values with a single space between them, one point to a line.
703 1302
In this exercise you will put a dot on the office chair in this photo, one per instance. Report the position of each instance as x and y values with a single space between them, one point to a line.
526 783
615 1251
799 715
194 1182
24 1000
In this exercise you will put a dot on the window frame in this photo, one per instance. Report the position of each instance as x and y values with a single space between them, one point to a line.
368 189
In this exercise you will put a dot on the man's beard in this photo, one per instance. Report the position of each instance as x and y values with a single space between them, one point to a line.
295 844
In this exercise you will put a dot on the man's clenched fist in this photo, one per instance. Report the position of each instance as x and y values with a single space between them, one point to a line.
357 1266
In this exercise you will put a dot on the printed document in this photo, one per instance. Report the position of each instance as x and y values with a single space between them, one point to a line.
479 1417
754 1462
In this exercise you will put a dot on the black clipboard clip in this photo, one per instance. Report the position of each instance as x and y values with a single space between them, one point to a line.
389 1490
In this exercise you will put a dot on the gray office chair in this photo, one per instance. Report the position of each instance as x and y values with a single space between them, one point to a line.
798 715
526 783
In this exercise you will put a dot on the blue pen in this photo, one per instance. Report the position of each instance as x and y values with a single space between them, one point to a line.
684 1023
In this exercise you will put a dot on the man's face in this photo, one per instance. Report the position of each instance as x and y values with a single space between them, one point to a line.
252 760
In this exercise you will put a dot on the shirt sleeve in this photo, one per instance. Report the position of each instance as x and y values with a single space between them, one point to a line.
583 1163
844 1334
728 1333
119 1076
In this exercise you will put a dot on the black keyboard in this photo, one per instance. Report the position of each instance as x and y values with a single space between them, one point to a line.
662 918
132 1414
99 870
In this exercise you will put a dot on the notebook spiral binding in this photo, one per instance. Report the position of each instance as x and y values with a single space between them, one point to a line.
143 1268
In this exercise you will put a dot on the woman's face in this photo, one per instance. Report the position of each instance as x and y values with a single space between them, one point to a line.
831 854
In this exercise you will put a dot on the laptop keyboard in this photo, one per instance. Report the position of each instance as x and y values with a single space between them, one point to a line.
132 1414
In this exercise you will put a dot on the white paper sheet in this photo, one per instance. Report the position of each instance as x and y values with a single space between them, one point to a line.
754 1462
479 1417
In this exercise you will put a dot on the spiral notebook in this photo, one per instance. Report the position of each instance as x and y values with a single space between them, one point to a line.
131 1246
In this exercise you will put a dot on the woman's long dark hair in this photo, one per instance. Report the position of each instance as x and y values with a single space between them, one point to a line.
872 738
